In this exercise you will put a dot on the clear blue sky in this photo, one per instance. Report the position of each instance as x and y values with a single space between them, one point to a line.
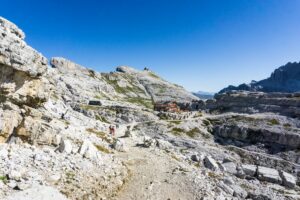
200 44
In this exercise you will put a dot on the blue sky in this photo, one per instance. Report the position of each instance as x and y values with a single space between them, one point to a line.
200 44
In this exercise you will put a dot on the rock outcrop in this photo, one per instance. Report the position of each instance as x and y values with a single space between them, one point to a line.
40 133
256 102
157 88
21 81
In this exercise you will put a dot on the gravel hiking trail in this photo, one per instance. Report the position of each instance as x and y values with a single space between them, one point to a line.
154 174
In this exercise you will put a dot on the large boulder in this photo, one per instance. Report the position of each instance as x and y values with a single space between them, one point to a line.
211 163
65 146
88 150
288 180
249 170
268 174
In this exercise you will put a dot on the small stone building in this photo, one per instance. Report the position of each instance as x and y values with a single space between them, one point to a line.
168 106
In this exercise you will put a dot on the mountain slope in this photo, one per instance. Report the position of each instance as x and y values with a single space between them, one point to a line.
126 85
204 95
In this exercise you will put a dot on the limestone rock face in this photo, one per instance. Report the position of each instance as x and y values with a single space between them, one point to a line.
157 88
9 121
284 79
257 102
16 54
268 174
260 128
21 78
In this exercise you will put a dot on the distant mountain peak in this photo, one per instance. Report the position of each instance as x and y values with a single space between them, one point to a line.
284 79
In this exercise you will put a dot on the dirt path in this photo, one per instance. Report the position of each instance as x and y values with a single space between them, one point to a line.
154 174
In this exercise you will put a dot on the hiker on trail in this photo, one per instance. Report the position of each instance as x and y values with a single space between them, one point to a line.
127 132
112 130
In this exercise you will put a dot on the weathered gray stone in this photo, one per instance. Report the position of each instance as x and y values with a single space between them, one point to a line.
119 145
250 170
162 144
54 178
239 191
210 163
288 180
15 53
149 142
195 158
88 150
230 167
268 174
65 146
226 188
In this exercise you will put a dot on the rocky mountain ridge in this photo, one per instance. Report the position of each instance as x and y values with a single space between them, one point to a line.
284 79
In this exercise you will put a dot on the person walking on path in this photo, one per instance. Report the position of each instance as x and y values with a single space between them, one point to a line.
112 130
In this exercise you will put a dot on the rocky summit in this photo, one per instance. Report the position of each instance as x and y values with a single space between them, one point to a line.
69 132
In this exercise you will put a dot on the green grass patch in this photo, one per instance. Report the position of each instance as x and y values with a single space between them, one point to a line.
199 114
153 75
140 101
102 149
273 122
193 132
175 157
70 176
92 73
89 107
149 123
67 123
177 122
162 90
100 134
206 122
4 179
101 118
214 175
123 90
177 131
163 117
